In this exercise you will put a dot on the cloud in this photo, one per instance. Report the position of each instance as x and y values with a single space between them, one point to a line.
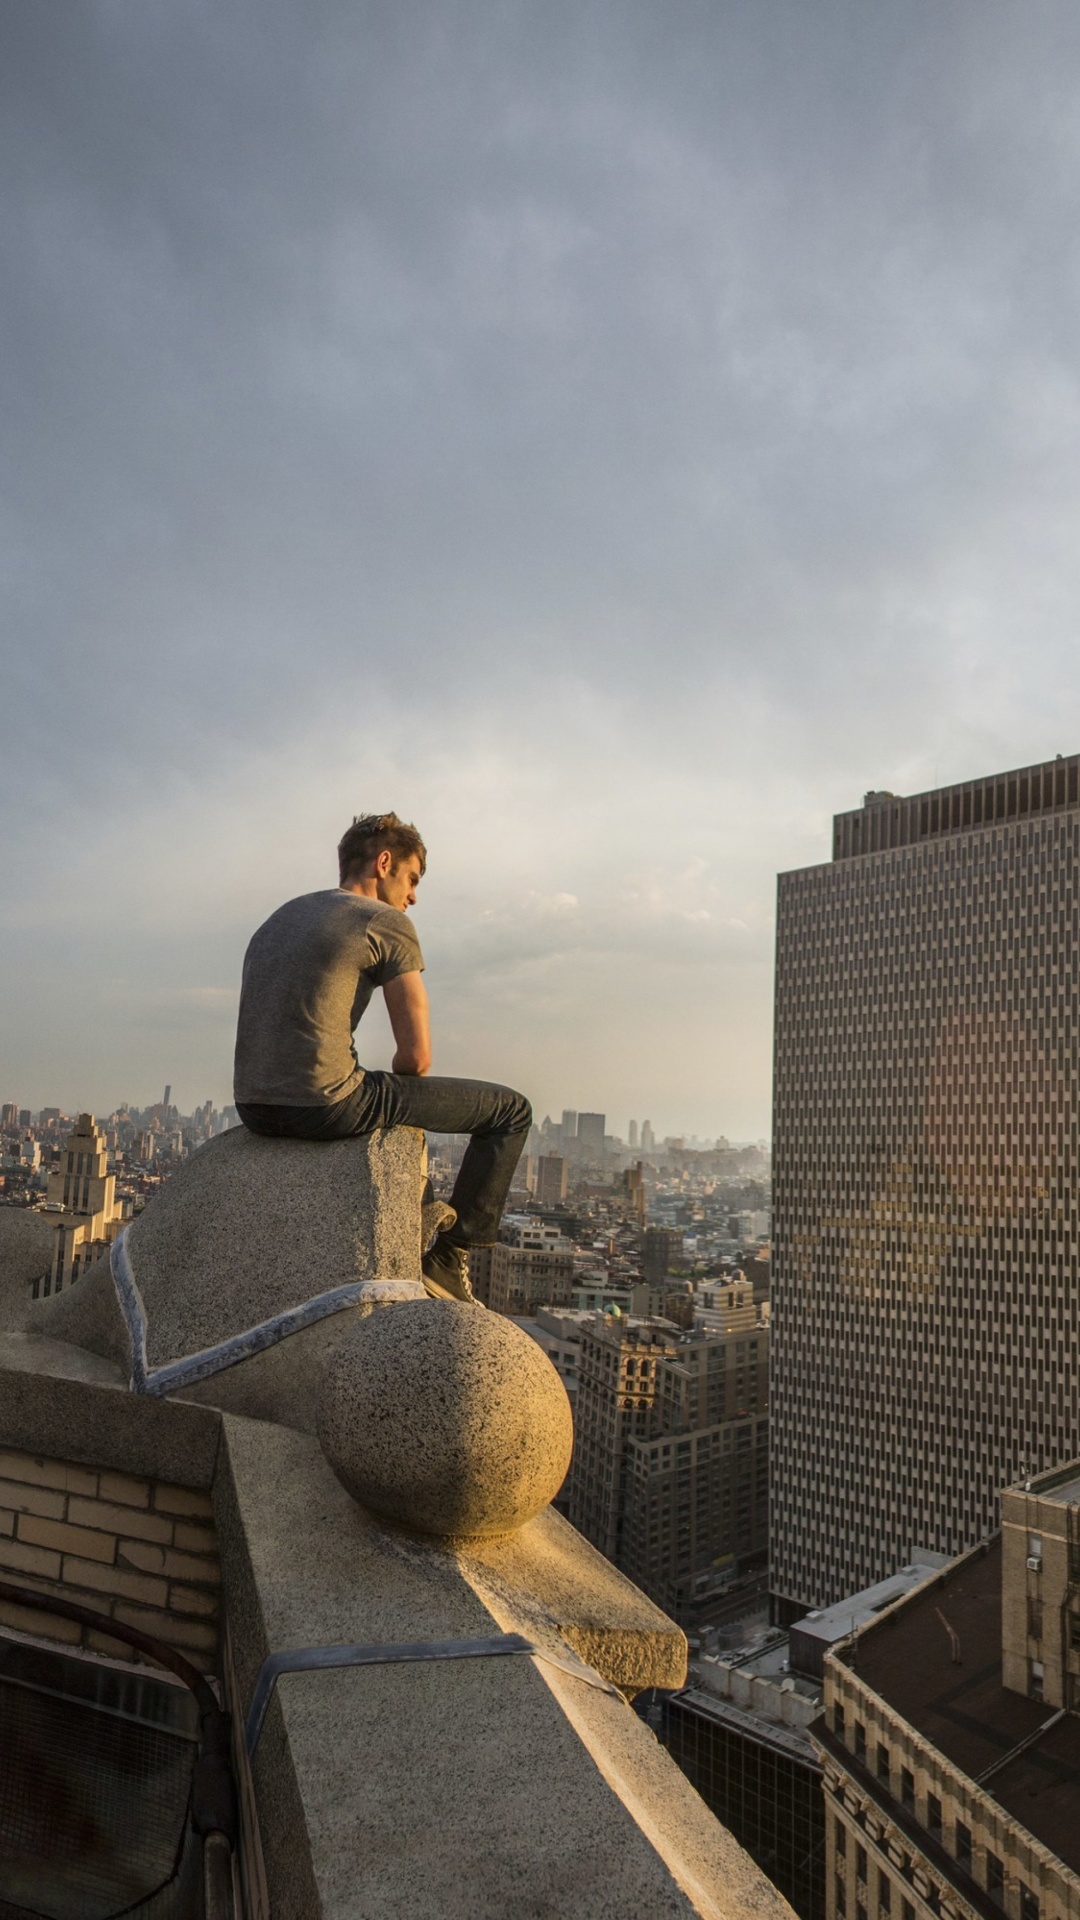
618 439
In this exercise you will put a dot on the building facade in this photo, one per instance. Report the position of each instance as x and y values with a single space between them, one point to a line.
949 1795
925 1253
81 1197
670 1476
529 1266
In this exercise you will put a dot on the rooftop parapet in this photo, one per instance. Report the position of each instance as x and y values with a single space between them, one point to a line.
468 1748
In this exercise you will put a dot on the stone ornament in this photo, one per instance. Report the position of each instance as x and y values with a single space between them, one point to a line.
446 1420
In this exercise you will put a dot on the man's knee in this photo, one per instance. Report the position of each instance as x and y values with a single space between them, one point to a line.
521 1112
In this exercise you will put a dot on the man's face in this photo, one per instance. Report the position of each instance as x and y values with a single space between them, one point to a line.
396 885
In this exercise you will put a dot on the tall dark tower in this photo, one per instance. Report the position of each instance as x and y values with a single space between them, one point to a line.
925 1289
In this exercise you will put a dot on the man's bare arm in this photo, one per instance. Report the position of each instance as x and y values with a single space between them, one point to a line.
407 1004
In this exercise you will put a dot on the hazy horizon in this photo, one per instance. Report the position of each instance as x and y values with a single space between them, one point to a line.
615 439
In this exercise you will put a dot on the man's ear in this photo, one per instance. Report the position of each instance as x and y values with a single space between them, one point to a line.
384 863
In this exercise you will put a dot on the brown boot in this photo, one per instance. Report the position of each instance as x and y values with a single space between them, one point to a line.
445 1272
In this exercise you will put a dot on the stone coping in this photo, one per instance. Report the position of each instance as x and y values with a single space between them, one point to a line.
488 1787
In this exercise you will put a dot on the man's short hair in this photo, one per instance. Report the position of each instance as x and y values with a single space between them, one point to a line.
369 835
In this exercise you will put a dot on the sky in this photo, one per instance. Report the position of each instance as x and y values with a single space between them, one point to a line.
616 436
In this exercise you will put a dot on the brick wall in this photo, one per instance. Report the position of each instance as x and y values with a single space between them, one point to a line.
142 1551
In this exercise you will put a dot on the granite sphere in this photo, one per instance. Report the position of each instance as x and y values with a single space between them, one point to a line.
445 1419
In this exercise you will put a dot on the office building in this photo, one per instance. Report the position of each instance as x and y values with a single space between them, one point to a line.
616 1389
951 1757
590 1134
695 1489
81 1198
661 1250
671 1452
529 1266
925 1246
550 1179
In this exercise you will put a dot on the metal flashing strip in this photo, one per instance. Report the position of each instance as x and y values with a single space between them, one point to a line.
313 1659
211 1360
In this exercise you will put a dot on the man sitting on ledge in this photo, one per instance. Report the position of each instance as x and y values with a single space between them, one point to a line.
309 973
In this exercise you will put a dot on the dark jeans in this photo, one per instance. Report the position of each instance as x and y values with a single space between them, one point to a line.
497 1119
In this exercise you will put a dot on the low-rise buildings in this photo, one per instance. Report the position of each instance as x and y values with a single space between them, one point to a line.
951 1751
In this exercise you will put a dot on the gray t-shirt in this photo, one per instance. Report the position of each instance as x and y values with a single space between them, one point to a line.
309 973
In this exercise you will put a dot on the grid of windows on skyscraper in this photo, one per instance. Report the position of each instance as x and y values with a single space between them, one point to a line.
925 1247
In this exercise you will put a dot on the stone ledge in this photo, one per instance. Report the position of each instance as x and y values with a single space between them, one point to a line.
497 1789
489 1788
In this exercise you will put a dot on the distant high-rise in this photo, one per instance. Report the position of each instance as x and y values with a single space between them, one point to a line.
550 1180
631 1134
591 1128
661 1250
926 1238
9 1114
88 1217
648 1137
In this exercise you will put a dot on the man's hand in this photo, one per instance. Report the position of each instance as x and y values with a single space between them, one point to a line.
407 1004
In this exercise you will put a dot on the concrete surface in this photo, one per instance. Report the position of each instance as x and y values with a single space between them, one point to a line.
245 1229
446 1419
495 1789
26 1250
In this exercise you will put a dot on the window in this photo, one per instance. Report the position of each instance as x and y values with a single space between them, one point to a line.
841 1897
995 1878
860 1864
907 1788
840 1839
882 1762
1029 1903
1034 1617
933 1814
1034 1551
1074 1629
860 1740
963 1845
907 1911
1035 1679
838 1719
884 1893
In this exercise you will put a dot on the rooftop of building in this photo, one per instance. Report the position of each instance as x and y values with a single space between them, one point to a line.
1061 1488
961 1707
830 1624
893 820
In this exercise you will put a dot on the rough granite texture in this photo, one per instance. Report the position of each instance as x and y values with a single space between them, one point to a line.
61 1401
26 1250
498 1789
446 1419
246 1228
493 1789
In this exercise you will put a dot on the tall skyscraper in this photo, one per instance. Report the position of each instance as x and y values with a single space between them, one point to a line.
591 1128
926 1241
551 1180
631 1134
87 1217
